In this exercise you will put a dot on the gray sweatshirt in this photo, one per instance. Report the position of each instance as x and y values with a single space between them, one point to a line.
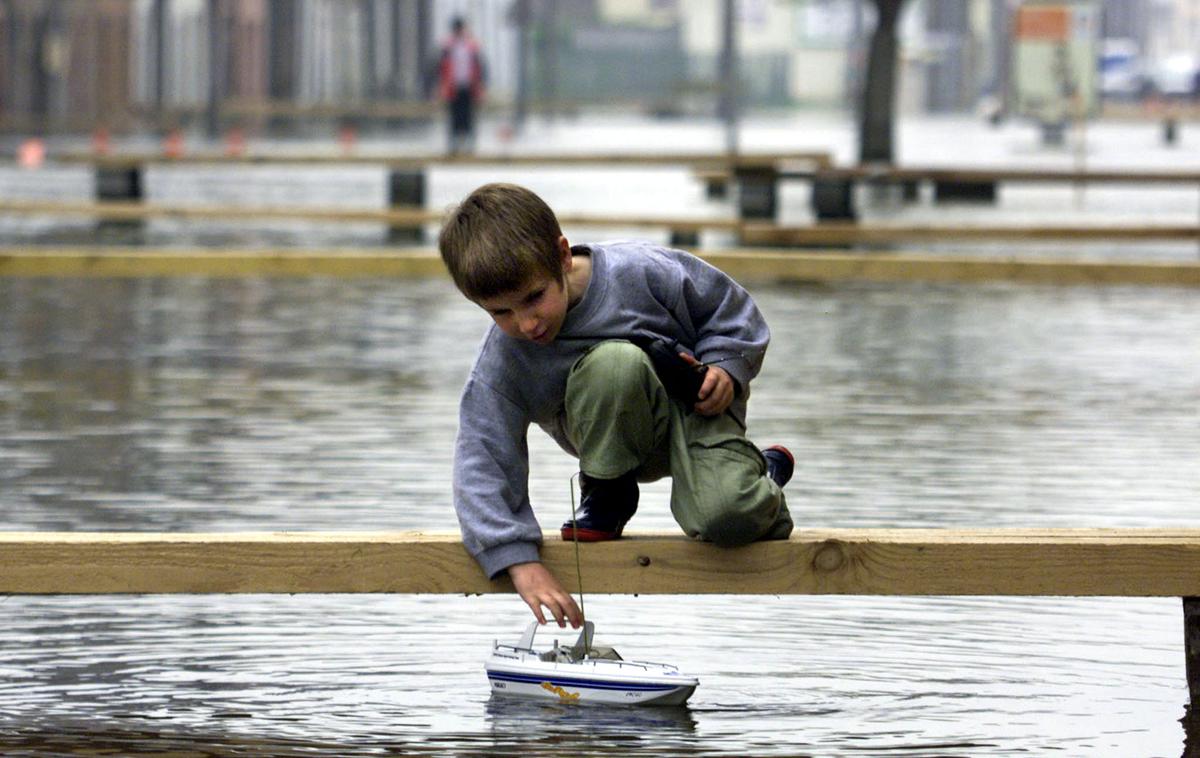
635 289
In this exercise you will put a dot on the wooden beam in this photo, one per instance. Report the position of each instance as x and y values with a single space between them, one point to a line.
760 264
396 216
705 160
132 262
837 233
1028 175
829 267
1085 562
750 233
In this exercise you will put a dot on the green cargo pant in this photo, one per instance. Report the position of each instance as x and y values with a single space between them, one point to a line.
621 419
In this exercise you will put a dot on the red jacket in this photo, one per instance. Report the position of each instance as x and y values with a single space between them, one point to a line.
446 68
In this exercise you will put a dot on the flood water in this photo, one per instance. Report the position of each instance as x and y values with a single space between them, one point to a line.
198 404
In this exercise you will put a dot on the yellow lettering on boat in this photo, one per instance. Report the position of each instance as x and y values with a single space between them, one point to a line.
570 697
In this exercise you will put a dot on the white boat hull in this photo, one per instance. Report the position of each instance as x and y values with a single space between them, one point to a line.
557 686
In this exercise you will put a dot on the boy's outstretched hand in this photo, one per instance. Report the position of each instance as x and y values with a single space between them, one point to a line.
538 588
716 393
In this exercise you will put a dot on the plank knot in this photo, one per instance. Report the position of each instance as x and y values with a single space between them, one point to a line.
829 556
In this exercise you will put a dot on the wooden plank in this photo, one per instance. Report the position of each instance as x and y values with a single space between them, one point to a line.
751 233
703 160
1030 175
1084 562
395 216
756 264
135 262
790 265
837 233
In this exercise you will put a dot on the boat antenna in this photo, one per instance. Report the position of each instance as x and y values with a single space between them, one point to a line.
587 643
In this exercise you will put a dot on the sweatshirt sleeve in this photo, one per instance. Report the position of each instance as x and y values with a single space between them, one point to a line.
728 325
491 480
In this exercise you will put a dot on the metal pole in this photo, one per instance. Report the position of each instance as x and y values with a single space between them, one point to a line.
522 100
729 98
158 20
550 58
212 115
395 87
370 80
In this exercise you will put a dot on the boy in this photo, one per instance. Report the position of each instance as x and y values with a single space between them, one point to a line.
573 350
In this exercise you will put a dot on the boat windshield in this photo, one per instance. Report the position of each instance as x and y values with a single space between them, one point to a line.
570 654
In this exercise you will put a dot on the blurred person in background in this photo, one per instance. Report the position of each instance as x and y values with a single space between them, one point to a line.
461 79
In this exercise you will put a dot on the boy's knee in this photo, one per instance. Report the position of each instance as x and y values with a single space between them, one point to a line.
727 499
612 367
731 529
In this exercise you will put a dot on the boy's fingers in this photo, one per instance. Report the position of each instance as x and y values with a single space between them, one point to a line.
561 608
714 395
574 614
537 611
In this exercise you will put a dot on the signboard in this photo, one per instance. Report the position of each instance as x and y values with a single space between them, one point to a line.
1055 52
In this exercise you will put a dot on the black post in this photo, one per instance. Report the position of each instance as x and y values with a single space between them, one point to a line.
1191 646
406 190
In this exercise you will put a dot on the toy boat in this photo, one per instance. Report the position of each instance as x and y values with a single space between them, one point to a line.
583 673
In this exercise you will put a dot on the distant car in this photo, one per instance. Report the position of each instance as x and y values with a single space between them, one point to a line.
1121 74
1176 76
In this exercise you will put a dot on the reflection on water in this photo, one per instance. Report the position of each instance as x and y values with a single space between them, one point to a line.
198 404
323 404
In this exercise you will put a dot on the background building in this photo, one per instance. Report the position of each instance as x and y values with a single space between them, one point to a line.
75 65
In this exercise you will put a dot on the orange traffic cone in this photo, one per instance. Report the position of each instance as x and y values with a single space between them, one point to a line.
173 144
347 138
101 144
31 153
235 142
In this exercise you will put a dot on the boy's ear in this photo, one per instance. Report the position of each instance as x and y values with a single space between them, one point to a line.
564 253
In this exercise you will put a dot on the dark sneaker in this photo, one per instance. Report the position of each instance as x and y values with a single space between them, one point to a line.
780 464
604 508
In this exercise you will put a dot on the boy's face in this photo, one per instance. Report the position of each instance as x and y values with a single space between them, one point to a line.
536 310
533 312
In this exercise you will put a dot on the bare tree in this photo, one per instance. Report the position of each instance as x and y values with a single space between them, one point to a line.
877 109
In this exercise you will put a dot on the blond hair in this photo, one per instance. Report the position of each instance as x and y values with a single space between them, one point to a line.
497 239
